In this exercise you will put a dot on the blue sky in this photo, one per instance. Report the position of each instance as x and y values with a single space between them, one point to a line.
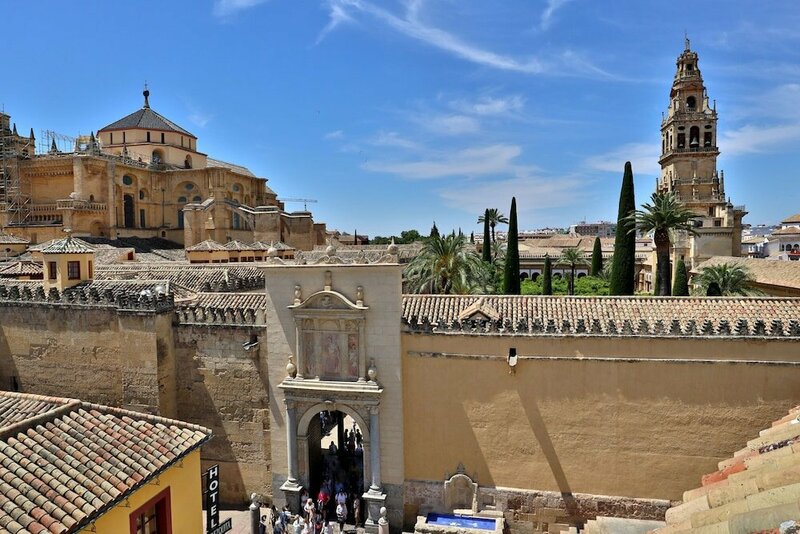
393 114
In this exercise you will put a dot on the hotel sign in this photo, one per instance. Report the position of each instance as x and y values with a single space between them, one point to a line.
212 504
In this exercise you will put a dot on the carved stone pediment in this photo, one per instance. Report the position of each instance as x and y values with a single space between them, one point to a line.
327 300
479 311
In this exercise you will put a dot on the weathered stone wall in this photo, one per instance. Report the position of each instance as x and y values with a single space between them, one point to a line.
637 417
96 354
225 388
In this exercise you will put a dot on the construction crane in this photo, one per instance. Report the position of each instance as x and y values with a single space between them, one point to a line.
305 201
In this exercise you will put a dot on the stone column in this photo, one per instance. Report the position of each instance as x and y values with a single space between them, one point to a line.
291 488
375 497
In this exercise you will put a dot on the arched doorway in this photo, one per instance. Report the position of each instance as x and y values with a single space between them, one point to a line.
128 211
334 449
335 461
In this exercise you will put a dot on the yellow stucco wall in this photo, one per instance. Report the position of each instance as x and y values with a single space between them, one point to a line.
185 495
574 419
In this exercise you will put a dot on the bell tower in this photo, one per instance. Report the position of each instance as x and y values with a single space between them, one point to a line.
688 162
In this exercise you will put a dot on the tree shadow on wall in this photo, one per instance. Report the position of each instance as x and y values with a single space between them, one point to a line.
196 405
530 403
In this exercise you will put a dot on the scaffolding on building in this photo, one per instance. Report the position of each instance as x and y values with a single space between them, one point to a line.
14 191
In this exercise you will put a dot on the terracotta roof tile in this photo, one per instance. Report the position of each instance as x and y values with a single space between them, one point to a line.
647 316
67 245
62 461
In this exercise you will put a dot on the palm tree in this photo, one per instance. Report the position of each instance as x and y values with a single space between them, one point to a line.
573 257
665 215
494 217
446 265
731 279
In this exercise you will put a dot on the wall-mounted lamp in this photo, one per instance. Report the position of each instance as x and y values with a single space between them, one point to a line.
512 361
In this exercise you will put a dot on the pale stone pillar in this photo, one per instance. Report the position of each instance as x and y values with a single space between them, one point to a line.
375 448
375 497
291 488
291 439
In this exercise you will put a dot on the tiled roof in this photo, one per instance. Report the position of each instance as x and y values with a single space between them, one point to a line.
793 219
236 245
67 245
210 162
193 277
609 316
753 492
764 271
207 245
22 268
223 308
789 230
146 119
64 462
8 239
277 245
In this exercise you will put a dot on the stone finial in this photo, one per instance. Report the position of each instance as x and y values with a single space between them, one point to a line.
393 249
360 296
372 372
291 368
298 294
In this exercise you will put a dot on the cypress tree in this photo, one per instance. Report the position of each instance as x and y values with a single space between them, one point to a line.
472 237
511 281
434 230
623 267
487 239
547 276
597 258
680 287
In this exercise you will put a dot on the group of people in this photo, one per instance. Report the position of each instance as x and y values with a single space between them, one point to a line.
315 518
338 499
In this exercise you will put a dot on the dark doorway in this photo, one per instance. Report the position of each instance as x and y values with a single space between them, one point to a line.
336 461
127 201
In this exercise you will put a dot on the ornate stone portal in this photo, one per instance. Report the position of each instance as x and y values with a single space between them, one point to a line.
330 372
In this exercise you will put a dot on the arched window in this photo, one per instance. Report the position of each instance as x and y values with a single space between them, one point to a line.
691 102
197 198
158 157
142 194
127 180
187 163
694 137
181 200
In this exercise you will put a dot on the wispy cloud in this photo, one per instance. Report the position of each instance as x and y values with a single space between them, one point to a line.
488 105
226 8
336 134
643 158
473 161
753 139
200 119
533 193
395 140
449 124
412 26
549 11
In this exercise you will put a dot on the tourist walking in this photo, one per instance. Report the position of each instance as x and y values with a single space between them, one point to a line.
341 516
309 510
297 526
356 509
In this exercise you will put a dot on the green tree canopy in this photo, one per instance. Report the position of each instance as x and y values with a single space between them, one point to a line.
597 258
680 287
623 267
729 278
547 276
446 265
573 257
494 217
511 279
663 216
